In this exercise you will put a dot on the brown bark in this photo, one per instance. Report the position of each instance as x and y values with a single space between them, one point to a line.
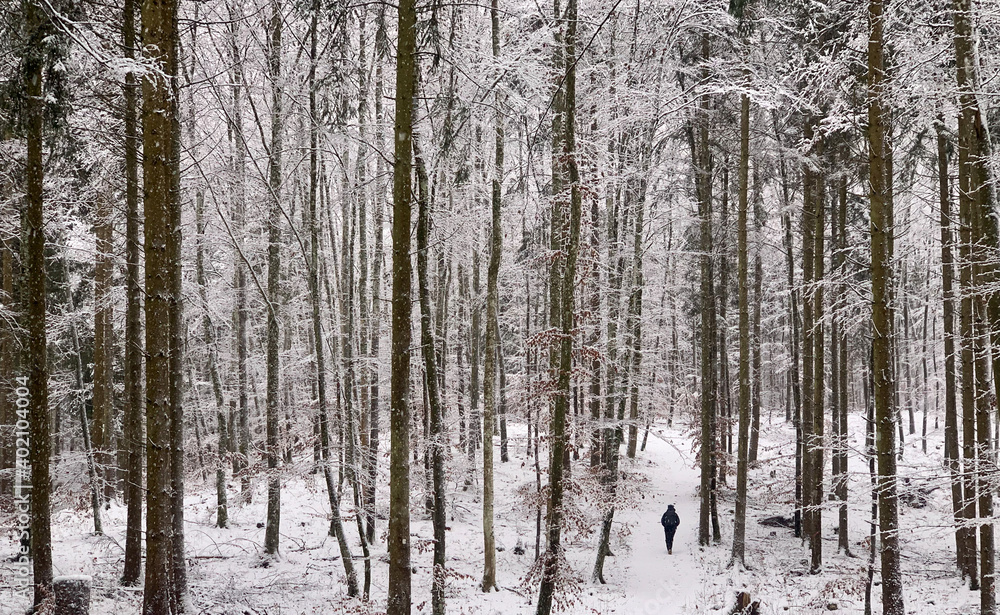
742 459
273 452
492 328
428 348
133 436
563 285
178 562
703 186
103 432
161 201
88 449
819 371
976 199
808 337
882 315
967 354
33 305
376 289
399 599
951 439
840 376
241 434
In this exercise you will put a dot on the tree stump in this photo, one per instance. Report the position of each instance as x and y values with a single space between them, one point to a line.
744 605
72 594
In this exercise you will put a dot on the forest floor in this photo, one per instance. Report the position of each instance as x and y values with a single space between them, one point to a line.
226 575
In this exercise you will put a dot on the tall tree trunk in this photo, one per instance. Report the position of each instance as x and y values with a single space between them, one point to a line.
984 451
882 315
836 328
808 337
819 371
594 339
724 398
756 368
492 327
756 358
366 456
376 313
161 203
208 331
208 327
502 410
982 275
429 351
103 435
133 435
907 353
399 463
951 440
797 389
460 348
317 330
178 563
611 431
794 385
634 319
563 284
178 332
966 334
742 459
475 334
88 449
703 183
871 454
975 197
840 402
240 311
347 378
924 386
33 305
616 266
271 532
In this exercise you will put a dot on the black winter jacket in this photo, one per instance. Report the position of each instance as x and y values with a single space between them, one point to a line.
670 519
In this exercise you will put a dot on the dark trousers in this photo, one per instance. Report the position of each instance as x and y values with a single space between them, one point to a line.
668 533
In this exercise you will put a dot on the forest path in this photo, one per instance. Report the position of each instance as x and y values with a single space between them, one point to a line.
654 582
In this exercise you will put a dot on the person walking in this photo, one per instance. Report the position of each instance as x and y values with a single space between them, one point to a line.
670 521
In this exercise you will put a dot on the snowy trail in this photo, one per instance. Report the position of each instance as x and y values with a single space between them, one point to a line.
658 583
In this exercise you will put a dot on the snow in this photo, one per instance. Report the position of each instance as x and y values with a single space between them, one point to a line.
227 576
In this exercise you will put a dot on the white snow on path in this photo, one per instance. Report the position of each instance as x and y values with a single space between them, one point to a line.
655 582
641 578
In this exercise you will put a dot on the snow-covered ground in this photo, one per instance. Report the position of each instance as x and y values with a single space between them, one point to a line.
226 578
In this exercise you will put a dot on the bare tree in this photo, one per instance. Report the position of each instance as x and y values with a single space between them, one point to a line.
271 533
133 412
399 457
882 315
566 219
980 313
103 421
742 459
437 435
160 126
702 158
493 350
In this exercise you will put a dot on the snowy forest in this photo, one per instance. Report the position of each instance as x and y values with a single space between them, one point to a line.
312 306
